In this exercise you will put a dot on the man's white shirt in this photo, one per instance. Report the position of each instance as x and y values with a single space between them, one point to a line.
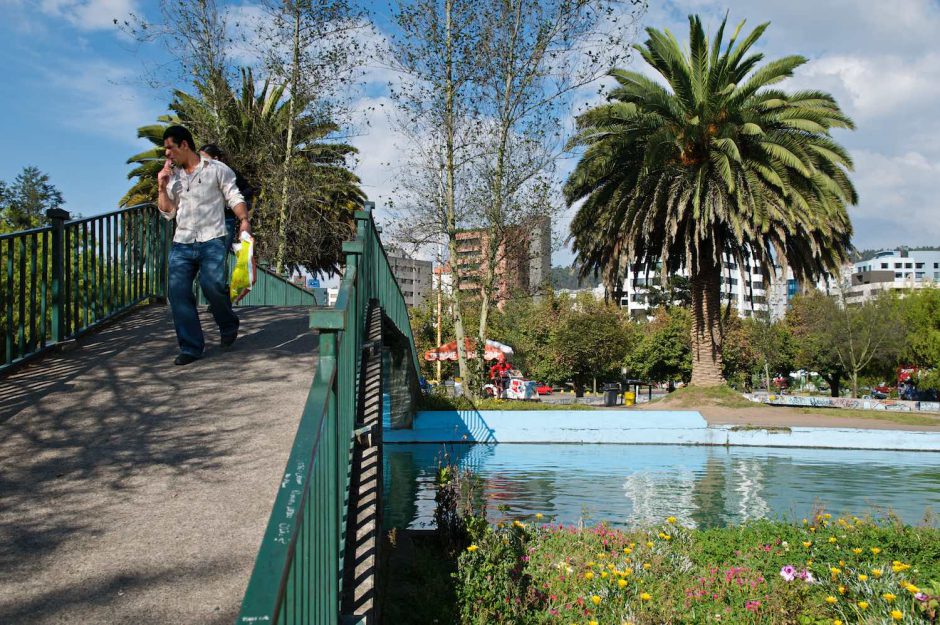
200 200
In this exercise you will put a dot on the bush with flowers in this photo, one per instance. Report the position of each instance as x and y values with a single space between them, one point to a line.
821 571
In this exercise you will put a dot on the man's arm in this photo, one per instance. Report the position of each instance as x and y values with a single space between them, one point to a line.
165 203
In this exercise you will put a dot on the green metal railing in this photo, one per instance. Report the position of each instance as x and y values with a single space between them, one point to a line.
297 578
66 278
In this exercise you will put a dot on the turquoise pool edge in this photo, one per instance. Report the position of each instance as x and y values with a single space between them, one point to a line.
635 427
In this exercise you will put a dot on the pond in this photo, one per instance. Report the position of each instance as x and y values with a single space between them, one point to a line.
631 485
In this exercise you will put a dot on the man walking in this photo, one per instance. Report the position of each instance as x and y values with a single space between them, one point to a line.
196 192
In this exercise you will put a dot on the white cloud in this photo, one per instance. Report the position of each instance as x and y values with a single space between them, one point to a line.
89 14
95 96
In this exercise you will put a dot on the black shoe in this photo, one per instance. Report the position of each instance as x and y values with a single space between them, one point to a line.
184 359
228 340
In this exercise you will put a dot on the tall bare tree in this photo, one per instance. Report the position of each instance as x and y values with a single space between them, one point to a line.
535 56
314 47
435 51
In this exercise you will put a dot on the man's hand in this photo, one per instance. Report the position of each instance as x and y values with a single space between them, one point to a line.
163 178
244 226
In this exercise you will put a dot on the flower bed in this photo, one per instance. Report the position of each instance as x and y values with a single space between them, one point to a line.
824 571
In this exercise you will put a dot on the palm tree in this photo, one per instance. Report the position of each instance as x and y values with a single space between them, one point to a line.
251 126
714 168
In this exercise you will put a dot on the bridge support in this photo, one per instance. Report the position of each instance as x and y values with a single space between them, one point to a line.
359 602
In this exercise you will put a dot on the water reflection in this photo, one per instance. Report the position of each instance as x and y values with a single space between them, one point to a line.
629 485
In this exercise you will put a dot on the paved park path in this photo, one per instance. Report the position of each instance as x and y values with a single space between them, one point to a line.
136 492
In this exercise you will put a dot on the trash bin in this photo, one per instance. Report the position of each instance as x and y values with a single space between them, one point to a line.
611 391
629 398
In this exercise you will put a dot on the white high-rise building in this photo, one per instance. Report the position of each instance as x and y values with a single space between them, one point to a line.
746 290
893 270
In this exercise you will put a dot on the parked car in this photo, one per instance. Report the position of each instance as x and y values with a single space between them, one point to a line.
543 389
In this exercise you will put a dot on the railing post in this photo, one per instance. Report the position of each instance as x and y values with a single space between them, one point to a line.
57 217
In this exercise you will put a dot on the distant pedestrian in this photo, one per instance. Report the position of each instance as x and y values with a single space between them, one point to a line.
195 192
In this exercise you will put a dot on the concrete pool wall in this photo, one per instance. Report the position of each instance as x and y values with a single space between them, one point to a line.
646 427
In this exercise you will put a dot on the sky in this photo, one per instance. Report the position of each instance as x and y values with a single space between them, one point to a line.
74 96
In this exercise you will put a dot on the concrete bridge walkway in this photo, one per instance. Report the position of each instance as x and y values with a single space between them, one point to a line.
136 492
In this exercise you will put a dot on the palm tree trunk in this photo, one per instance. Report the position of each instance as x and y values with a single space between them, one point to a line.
706 327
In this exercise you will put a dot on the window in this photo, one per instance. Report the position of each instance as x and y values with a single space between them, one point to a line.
919 275
919 266
884 265
908 265
898 274
897 265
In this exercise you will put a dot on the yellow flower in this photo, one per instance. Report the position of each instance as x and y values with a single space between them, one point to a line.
897 615
897 567
649 544
627 572
877 572
632 545
472 548
807 543
592 623
805 522
621 583
832 539
830 599
645 596
835 571
862 577
812 528
857 551
595 599
589 575
591 563
827 515
627 550
671 520
604 574
836 622
889 597
863 605
911 588
539 515
876 550
518 523
646 566
841 590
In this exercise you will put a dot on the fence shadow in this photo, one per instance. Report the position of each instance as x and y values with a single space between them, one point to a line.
84 432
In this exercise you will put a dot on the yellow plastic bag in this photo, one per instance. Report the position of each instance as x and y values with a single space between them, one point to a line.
243 276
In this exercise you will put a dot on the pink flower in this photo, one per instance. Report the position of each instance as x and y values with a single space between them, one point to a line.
920 596
788 573
752 606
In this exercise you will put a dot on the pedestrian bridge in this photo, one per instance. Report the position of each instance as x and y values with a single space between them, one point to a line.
133 491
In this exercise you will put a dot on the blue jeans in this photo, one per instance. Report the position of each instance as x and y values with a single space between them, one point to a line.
208 260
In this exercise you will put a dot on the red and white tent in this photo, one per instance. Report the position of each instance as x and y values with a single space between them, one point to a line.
448 351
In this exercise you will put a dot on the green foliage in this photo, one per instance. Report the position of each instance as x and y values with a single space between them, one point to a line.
663 347
441 402
24 202
921 311
568 278
590 340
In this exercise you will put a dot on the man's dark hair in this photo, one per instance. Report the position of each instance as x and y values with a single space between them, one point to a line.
179 134
212 150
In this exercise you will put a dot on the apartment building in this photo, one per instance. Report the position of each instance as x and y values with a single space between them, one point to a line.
749 292
893 270
523 260
414 277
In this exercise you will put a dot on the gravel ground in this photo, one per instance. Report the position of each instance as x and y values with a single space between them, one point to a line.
135 492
